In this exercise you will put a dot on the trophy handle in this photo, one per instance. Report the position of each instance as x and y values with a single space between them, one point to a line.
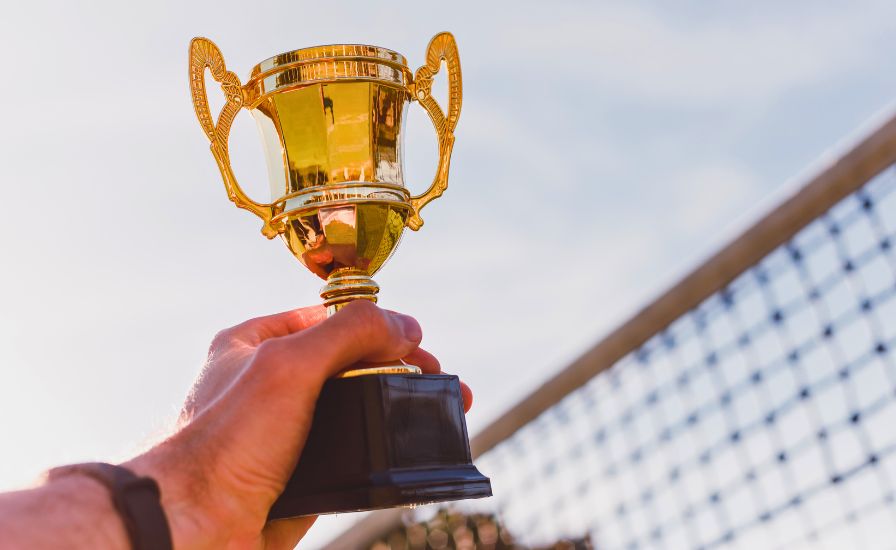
441 47
204 54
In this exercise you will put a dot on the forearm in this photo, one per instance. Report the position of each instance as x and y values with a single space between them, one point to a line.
71 512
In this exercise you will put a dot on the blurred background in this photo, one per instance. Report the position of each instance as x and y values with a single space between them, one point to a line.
603 150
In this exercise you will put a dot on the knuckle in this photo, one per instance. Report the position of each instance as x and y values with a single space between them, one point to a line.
267 351
246 327
222 337
370 321
269 361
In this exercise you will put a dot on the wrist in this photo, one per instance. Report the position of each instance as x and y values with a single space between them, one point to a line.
180 497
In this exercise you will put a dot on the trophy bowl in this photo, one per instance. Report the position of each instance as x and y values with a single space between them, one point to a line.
331 120
331 129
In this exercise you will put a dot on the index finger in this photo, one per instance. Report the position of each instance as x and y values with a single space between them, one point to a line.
280 324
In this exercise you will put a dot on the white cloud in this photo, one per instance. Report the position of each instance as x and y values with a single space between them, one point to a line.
704 196
630 49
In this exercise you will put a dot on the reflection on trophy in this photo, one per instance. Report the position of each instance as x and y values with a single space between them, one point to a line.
330 118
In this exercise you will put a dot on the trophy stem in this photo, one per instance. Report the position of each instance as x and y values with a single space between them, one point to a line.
345 286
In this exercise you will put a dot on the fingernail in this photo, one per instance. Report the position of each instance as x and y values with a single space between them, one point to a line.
410 328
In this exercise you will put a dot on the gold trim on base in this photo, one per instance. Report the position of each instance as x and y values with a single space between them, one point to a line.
392 369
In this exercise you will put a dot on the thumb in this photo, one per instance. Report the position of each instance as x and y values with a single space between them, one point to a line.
359 332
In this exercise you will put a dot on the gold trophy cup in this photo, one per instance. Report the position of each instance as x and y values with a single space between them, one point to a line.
331 119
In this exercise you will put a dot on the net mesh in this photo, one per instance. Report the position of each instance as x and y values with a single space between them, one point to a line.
763 418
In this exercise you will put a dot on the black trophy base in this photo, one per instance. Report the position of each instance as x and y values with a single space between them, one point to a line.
381 441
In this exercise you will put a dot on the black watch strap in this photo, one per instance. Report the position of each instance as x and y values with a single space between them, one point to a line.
137 500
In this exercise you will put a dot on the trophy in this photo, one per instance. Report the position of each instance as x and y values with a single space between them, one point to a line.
330 119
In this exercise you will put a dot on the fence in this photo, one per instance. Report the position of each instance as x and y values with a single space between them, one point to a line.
752 405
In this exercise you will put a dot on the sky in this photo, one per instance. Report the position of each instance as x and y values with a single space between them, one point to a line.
603 150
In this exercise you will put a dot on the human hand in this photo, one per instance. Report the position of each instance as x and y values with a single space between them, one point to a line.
246 420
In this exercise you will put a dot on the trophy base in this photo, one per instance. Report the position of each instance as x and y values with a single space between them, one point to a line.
381 441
